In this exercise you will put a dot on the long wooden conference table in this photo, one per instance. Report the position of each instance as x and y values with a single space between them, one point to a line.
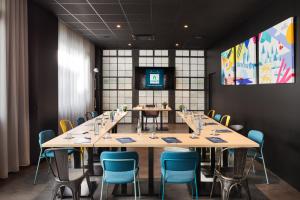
232 140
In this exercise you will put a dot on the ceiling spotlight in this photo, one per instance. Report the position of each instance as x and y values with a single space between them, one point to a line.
118 26
177 44
129 44
186 26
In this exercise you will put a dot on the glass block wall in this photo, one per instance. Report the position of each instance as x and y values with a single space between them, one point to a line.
117 81
190 74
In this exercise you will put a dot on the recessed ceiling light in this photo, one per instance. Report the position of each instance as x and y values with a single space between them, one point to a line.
129 44
118 26
177 44
186 26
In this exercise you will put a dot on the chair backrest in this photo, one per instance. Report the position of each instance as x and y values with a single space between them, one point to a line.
59 167
80 120
239 166
217 117
119 161
211 113
45 136
88 115
179 161
94 114
256 136
65 125
150 113
225 120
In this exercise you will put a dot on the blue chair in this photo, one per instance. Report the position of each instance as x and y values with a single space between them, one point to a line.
258 137
120 168
178 168
80 120
45 136
94 114
217 117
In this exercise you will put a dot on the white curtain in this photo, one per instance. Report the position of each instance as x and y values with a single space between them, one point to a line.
75 74
14 106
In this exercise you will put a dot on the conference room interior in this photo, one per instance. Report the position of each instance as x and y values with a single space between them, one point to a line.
149 99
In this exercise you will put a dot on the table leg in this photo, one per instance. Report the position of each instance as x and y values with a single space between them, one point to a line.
225 159
123 186
212 160
161 128
150 170
198 172
142 120
77 162
90 161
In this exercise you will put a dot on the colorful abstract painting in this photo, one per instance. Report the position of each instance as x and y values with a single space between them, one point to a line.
227 67
276 54
245 58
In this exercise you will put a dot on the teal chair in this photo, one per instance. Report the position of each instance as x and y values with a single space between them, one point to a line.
258 137
80 120
120 168
45 136
218 117
178 168
94 114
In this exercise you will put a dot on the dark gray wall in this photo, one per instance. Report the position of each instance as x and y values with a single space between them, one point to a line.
43 73
274 109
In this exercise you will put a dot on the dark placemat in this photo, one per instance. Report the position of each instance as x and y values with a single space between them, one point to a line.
125 140
216 140
171 140
223 131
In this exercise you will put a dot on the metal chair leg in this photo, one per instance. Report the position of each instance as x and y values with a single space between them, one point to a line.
196 188
163 190
37 168
264 164
134 187
102 185
139 188
213 186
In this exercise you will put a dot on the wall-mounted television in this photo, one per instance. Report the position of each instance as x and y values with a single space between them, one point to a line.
154 78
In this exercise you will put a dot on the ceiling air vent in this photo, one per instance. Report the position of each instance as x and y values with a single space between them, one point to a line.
143 37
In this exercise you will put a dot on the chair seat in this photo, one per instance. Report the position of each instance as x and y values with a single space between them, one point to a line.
119 177
50 154
227 172
252 152
178 176
75 174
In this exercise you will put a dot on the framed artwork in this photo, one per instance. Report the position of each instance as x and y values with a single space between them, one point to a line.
228 67
245 57
276 53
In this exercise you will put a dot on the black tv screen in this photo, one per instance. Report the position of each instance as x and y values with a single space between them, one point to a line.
154 78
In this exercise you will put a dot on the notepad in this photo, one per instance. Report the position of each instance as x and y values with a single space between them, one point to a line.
216 140
211 123
223 131
171 140
125 140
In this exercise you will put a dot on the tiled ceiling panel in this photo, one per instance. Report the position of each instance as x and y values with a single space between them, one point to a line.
208 20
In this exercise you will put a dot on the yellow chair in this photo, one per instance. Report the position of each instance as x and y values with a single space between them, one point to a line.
225 120
65 125
211 113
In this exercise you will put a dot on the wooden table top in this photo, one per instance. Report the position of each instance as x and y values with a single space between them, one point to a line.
81 140
232 138
156 108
